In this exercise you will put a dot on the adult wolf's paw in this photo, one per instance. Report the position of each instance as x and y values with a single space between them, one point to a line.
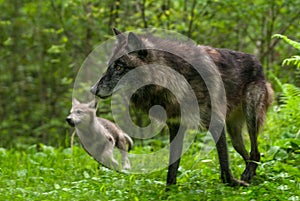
236 182
231 181
249 172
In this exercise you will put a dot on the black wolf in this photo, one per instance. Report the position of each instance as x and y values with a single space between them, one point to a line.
97 135
248 93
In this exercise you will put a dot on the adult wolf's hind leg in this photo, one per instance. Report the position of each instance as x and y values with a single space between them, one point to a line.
235 133
226 175
234 125
254 106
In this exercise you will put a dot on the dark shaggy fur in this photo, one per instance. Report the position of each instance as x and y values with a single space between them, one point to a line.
247 91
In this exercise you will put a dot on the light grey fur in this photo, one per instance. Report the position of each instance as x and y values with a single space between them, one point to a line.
99 136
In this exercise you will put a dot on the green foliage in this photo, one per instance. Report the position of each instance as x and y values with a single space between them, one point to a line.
289 107
294 60
43 44
284 125
45 173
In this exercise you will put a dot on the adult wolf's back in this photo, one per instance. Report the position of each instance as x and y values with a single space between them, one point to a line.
248 93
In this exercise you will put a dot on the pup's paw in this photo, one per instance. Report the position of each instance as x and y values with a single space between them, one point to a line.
127 166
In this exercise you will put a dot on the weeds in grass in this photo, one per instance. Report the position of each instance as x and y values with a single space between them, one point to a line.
45 173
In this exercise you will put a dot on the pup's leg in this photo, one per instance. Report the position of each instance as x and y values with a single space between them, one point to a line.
121 144
108 158
125 161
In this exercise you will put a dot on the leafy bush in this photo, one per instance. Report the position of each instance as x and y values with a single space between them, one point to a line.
294 60
284 124
287 119
43 44
284 120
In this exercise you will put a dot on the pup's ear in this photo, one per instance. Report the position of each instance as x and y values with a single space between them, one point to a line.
135 45
75 101
93 104
120 36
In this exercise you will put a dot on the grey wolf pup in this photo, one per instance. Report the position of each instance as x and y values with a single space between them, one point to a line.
99 136
247 91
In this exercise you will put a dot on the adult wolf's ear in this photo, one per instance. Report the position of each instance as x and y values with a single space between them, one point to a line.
116 31
75 101
135 45
93 104
120 36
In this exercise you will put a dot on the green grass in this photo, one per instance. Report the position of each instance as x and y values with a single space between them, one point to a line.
47 173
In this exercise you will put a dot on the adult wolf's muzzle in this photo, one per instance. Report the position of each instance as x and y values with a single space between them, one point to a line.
101 90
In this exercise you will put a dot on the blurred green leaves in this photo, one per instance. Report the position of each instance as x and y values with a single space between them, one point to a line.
43 44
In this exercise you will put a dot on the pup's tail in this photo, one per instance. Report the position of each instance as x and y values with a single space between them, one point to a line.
129 141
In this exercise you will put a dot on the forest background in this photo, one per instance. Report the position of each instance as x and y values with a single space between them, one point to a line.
44 43
42 47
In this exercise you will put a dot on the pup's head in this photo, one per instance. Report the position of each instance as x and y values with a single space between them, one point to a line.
81 113
129 53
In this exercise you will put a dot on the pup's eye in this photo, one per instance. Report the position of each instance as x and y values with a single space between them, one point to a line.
78 111
119 68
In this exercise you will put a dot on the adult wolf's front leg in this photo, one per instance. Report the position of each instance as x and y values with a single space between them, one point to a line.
176 142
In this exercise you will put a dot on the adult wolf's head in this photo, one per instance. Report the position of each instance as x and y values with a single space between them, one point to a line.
129 53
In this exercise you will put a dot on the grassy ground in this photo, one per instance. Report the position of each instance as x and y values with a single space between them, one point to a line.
45 173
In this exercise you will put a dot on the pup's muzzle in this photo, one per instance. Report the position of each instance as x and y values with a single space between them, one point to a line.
70 121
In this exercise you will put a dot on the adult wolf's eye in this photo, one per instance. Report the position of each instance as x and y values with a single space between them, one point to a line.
78 111
119 68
